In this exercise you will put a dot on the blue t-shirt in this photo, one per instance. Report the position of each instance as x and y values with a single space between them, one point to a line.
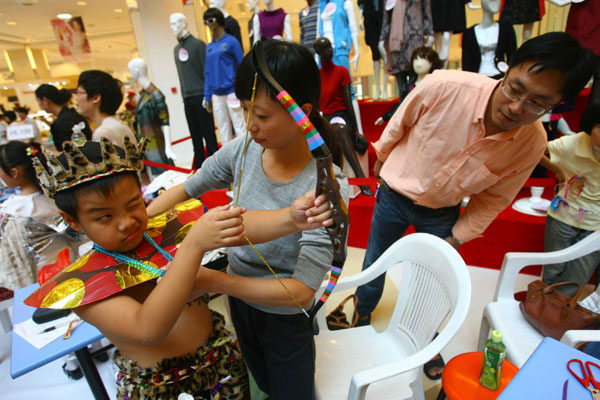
222 59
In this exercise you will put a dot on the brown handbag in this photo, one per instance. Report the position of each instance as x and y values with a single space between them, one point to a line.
553 313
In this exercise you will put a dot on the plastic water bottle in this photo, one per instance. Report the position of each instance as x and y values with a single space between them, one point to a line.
494 352
78 136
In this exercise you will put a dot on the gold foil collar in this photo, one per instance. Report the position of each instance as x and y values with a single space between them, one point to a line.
79 263
181 234
127 276
67 294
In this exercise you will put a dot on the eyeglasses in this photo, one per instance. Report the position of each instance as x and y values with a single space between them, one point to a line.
210 21
528 105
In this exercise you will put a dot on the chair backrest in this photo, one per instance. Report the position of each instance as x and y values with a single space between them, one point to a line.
432 283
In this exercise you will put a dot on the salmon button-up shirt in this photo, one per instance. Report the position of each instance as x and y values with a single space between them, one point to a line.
435 151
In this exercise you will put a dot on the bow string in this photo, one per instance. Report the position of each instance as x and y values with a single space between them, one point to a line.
326 182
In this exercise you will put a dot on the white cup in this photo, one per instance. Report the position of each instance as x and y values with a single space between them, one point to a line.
536 194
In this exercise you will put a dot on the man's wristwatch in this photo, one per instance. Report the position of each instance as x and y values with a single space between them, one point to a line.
455 240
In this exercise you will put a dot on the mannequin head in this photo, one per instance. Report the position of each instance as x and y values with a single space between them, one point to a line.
490 6
252 5
220 4
213 18
138 68
178 24
323 48
424 60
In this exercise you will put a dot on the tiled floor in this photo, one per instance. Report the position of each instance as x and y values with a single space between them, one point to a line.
49 382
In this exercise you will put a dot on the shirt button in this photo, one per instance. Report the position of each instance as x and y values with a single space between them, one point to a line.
437 185
451 170
468 153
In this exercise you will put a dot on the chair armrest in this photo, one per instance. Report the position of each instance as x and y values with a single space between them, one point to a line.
361 380
514 262
576 337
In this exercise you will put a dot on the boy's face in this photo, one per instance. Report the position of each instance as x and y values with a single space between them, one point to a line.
116 222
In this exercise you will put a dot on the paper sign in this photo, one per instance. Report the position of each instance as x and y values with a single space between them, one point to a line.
20 132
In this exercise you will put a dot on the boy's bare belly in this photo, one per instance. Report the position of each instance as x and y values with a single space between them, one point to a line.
192 330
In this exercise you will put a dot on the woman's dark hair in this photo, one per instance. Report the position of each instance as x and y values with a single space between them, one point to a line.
11 116
590 117
58 97
19 154
22 110
66 200
110 89
428 54
294 67
558 51
216 14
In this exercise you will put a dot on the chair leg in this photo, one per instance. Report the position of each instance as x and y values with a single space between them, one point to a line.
441 395
484 331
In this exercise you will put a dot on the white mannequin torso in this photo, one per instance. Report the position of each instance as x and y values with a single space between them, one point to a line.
487 39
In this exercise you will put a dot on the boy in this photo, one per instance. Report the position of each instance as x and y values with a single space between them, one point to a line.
164 347
99 96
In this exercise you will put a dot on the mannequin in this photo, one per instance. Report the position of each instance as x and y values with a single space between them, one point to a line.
231 25
372 12
424 60
308 19
404 28
582 22
448 18
223 55
152 117
338 24
275 23
253 7
524 12
336 101
488 46
189 59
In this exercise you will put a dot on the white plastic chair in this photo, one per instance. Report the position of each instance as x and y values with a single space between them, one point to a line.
503 313
433 284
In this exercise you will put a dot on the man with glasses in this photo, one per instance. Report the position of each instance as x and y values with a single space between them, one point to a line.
461 134
99 96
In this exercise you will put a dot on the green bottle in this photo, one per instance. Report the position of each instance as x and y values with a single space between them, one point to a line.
494 352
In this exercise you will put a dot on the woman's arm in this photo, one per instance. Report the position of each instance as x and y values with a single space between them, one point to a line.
168 199
265 291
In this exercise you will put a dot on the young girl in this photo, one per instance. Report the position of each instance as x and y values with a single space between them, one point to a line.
274 333
575 212
18 265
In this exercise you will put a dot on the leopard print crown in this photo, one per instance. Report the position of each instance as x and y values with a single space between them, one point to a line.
80 169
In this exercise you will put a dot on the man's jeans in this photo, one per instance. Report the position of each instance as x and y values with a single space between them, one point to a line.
392 216
560 236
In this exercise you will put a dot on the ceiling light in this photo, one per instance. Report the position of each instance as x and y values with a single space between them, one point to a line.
30 57
64 16
11 22
5 87
118 10
8 62
82 3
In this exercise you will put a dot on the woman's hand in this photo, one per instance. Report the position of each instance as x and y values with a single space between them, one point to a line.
309 213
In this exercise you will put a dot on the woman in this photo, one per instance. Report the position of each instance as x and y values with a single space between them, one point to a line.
55 101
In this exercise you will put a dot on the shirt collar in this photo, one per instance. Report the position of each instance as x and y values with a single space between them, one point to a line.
583 148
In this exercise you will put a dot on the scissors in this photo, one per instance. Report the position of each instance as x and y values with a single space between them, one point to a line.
588 378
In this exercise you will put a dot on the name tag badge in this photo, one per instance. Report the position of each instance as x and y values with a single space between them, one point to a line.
329 9
183 55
